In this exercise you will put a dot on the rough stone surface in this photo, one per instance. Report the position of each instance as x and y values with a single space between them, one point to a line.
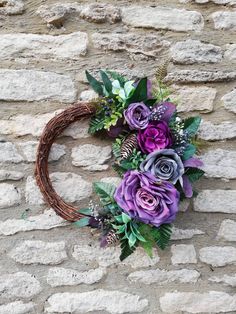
218 256
17 307
45 50
231 2
9 153
148 45
194 98
108 256
21 285
9 195
112 180
70 186
160 17
101 13
224 20
70 46
59 276
161 277
40 86
222 201
194 302
55 14
214 132
115 302
39 252
181 234
10 175
225 279
183 254
229 101
35 125
11 7
194 51
227 230
230 52
91 157
47 220
219 163
88 95
29 150
197 76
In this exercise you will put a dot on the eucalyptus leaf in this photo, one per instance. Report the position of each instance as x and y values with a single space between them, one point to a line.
189 151
82 222
191 125
85 211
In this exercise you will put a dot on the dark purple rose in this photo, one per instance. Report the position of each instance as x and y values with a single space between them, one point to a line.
163 111
164 164
114 131
137 115
144 197
156 136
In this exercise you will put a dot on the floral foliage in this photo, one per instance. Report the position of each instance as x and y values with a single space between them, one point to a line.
154 151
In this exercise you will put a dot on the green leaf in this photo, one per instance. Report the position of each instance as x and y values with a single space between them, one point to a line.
126 218
82 222
150 102
85 211
116 76
95 84
194 174
119 219
126 250
134 230
162 235
189 151
105 191
106 81
140 92
147 246
132 239
96 124
191 125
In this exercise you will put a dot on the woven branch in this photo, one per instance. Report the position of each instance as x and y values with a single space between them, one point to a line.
52 130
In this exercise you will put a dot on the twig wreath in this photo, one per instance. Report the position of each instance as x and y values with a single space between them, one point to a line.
154 152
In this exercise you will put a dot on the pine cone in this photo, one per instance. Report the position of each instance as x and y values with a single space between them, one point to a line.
129 144
112 237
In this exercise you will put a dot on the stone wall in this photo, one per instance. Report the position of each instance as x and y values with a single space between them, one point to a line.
50 266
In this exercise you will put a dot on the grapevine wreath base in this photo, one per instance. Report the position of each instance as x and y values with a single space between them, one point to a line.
154 152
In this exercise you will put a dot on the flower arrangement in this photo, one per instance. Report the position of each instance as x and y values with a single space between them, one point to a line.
154 152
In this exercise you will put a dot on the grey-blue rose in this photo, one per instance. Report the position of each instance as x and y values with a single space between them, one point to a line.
164 164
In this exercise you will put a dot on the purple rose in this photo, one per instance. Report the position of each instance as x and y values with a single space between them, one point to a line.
156 136
137 115
147 199
164 164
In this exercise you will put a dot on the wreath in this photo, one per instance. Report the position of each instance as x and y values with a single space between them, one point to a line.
154 154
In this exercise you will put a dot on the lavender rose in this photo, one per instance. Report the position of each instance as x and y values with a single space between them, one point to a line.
147 199
137 115
164 164
156 136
